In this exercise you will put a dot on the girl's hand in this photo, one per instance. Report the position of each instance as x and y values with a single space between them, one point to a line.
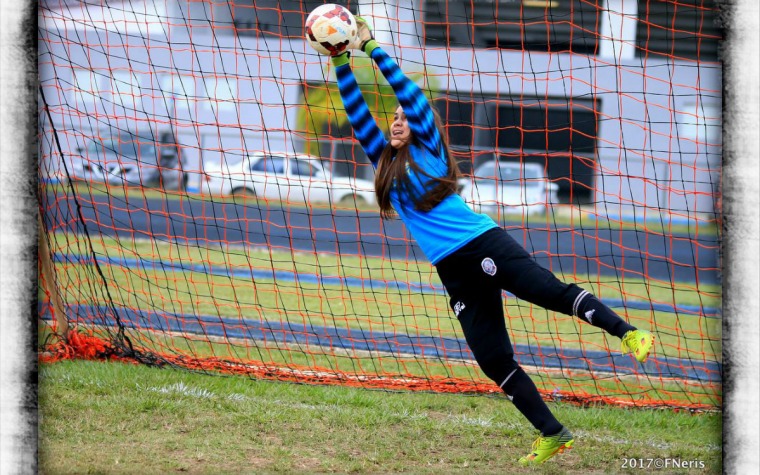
363 33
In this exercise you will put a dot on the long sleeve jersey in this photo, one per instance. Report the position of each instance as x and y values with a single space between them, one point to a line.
451 224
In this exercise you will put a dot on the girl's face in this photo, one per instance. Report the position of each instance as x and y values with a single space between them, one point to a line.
401 135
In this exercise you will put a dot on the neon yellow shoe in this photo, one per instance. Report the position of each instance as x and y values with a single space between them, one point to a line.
638 342
545 448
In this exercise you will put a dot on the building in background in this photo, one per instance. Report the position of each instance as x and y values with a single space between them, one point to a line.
620 100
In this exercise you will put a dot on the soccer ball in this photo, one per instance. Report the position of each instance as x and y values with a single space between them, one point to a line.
330 28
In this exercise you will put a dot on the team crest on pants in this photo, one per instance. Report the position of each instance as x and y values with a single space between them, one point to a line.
488 266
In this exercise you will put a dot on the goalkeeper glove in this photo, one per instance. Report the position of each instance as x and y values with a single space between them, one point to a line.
365 41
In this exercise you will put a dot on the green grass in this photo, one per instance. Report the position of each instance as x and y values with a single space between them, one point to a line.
679 335
119 418
153 288
642 390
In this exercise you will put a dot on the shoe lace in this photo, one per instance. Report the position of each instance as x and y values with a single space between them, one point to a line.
544 443
629 340
536 444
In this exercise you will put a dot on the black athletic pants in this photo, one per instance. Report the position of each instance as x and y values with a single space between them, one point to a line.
474 277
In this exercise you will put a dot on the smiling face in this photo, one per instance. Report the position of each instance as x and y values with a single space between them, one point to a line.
401 135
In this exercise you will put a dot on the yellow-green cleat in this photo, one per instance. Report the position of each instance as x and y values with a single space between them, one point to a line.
547 447
638 342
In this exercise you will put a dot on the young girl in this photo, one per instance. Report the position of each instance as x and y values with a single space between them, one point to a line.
475 258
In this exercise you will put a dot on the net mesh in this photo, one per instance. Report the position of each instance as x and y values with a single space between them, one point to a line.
205 204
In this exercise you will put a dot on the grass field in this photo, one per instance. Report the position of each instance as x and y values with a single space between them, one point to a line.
116 418
219 282
194 280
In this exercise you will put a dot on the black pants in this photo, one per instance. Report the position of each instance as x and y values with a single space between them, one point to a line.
474 277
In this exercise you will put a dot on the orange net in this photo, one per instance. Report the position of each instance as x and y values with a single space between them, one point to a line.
206 206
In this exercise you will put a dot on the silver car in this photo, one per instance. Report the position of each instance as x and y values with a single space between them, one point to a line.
132 160
509 187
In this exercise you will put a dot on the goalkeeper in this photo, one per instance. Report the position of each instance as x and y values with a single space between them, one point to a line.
475 258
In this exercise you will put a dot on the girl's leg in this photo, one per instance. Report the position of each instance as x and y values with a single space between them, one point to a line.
518 273
539 286
481 315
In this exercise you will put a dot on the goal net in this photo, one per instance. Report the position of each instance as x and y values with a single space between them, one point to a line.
205 205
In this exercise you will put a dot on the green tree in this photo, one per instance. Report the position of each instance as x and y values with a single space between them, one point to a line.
323 110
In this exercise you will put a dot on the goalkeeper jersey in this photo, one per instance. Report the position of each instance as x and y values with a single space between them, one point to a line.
451 224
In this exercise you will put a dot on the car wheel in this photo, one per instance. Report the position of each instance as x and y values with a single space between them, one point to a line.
352 200
243 193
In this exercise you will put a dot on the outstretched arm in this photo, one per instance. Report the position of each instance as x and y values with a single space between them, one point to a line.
365 128
410 97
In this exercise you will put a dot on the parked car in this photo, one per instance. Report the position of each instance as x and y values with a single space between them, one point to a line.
289 178
509 187
132 160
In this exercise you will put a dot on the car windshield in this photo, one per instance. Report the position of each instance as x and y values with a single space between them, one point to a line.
306 168
530 175
130 149
269 164
509 174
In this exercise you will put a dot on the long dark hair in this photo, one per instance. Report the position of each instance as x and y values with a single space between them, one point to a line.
392 170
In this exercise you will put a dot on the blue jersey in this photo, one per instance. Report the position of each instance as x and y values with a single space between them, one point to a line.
451 224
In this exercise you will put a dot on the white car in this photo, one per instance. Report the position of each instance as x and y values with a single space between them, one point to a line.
296 179
508 187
